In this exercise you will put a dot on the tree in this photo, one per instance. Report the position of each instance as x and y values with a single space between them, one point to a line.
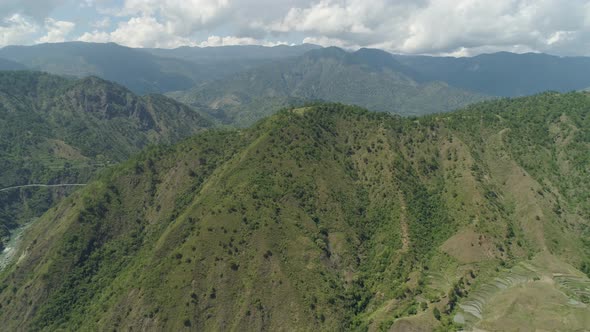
436 313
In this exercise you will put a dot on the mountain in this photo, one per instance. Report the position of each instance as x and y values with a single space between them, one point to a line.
55 130
215 63
327 217
504 74
135 69
389 82
369 78
144 70
205 55
10 65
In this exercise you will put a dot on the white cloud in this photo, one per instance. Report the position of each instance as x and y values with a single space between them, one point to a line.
143 31
330 17
146 32
443 26
16 29
213 41
57 31
403 26
102 23
326 41
161 23
95 37
181 16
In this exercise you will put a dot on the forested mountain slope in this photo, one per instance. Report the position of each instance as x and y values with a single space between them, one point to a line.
10 65
235 53
327 218
55 130
369 78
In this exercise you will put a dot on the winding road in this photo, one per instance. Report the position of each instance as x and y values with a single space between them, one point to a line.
44 185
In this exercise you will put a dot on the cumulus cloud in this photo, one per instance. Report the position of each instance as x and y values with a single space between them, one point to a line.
149 33
161 23
95 36
102 23
327 41
444 26
57 31
333 17
181 16
16 29
448 25
143 31
213 41
459 27
171 23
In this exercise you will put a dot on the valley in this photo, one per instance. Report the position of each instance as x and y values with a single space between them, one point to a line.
369 78
56 131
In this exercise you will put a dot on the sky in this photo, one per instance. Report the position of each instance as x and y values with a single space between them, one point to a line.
437 27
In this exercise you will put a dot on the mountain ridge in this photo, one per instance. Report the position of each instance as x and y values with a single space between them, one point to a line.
368 78
142 70
325 217
519 74
58 130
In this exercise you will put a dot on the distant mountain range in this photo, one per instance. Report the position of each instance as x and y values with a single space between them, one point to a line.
504 74
10 65
163 70
143 70
226 54
370 78
241 84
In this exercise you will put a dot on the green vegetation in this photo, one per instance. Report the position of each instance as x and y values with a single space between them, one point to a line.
54 130
368 78
10 65
327 217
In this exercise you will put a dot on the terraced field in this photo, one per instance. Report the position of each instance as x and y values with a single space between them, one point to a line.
510 300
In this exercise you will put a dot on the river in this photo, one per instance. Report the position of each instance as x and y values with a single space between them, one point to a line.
11 247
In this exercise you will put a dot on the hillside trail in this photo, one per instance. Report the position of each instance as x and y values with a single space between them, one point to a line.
44 186
405 233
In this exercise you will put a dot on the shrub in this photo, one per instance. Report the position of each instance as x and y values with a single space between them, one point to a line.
436 313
